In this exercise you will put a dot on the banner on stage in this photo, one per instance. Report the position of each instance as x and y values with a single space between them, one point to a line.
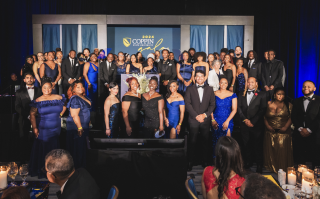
143 81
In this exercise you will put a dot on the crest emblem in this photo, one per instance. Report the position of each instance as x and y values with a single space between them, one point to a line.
126 41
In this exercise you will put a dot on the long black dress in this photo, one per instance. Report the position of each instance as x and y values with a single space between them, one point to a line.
151 121
229 75
133 115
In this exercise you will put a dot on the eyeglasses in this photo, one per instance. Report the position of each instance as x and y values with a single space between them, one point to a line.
238 192
43 169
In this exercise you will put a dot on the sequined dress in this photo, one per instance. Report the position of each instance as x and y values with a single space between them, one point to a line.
114 120
221 113
277 147
151 121
241 83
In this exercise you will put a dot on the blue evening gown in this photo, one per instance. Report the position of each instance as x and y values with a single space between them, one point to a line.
93 93
114 120
48 72
221 113
133 69
36 83
186 73
49 126
77 145
173 115
153 70
241 83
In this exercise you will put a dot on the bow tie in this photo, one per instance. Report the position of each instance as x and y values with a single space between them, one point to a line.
200 86
249 92
307 98
30 88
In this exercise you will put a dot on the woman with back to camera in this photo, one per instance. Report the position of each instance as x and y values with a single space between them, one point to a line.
36 69
134 66
131 106
45 117
222 180
277 137
112 111
174 112
153 104
184 73
78 123
52 70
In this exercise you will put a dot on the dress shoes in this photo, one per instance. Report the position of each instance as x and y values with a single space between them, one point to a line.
259 169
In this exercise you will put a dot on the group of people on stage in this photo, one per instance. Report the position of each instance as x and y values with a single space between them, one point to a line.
196 96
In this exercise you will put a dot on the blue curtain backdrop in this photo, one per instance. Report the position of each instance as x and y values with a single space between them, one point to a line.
69 38
215 38
89 37
198 38
50 37
235 36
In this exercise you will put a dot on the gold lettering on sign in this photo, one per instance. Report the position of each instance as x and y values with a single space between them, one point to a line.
155 46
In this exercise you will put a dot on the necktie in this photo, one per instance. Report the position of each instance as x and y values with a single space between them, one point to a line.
250 64
200 86
72 63
306 98
30 88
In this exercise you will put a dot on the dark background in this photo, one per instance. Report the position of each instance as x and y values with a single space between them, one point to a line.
291 28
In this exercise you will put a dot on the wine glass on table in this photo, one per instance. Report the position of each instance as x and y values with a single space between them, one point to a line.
13 172
23 170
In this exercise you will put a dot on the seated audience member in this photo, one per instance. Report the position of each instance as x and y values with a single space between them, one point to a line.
257 186
221 180
16 193
75 184
13 82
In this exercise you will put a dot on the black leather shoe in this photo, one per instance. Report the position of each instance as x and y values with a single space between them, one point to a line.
259 169
190 166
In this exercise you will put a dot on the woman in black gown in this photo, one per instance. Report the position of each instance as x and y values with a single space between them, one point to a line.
230 71
111 111
152 104
131 106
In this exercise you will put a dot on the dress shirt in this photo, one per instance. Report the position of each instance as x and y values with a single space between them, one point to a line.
108 67
200 91
251 62
30 91
249 96
158 60
72 65
305 106
64 184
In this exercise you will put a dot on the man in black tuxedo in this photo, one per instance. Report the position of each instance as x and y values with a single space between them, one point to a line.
24 96
75 184
251 110
167 71
200 103
108 74
272 73
305 117
70 70
253 66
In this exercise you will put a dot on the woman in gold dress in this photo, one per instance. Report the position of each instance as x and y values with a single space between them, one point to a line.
277 139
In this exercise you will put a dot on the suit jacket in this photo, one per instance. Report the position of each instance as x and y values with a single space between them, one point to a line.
80 185
107 76
167 70
307 119
70 72
272 73
255 70
256 109
193 105
22 105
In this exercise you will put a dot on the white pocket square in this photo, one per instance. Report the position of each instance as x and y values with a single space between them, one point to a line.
77 64
170 64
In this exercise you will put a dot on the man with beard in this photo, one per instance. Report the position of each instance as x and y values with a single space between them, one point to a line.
23 98
238 55
253 66
306 119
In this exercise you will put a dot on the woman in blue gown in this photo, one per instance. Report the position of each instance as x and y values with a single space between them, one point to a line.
45 117
52 70
78 123
121 68
112 111
90 74
241 78
184 73
201 64
133 67
174 111
226 108
151 68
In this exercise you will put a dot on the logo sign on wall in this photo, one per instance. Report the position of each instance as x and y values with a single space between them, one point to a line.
146 39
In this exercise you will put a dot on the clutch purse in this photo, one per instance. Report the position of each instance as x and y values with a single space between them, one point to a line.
159 134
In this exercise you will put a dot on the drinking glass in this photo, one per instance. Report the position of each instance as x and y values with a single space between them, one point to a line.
13 172
23 170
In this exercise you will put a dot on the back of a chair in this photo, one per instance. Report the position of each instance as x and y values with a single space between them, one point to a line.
191 189
113 193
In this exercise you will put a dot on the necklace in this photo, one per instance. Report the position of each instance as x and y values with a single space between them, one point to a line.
150 94
174 96
136 94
